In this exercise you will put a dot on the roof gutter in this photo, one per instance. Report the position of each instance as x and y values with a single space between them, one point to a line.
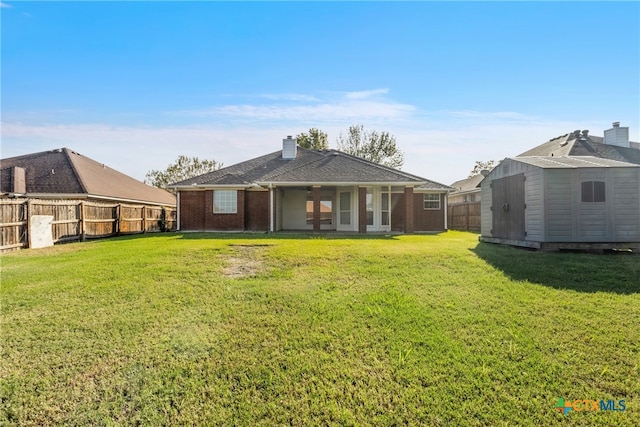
210 186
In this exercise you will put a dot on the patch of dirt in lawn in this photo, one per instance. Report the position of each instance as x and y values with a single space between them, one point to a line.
245 261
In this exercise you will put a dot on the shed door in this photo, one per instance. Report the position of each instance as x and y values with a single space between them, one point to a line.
508 207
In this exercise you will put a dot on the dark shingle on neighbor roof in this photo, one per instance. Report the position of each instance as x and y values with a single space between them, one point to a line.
64 171
570 145
310 166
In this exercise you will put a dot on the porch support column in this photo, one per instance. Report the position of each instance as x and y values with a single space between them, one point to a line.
272 210
362 209
316 207
409 226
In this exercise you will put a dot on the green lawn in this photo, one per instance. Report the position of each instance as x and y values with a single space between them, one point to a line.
204 329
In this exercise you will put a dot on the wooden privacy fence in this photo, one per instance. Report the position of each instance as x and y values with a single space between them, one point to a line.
79 220
464 216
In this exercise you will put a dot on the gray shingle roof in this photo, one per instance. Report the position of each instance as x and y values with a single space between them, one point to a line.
310 166
66 172
468 184
571 145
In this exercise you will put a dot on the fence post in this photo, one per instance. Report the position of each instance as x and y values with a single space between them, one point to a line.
118 219
28 230
144 222
82 224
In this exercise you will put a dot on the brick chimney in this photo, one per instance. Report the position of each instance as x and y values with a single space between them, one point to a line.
618 136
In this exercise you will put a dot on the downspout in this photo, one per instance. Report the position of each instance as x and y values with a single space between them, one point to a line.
446 207
178 210
271 218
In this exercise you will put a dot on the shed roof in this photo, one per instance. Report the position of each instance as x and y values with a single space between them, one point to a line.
572 162
66 172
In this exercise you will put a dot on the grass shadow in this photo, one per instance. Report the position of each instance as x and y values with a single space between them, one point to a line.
582 272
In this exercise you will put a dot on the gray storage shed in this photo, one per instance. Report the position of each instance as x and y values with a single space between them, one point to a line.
565 202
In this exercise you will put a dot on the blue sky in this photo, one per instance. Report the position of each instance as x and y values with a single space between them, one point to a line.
135 84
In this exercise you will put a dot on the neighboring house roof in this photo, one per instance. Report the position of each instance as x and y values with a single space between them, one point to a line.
467 185
67 173
308 168
572 162
571 144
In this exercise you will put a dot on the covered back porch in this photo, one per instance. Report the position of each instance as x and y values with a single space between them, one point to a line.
346 208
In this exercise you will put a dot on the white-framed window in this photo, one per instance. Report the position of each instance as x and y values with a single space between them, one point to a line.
225 201
431 201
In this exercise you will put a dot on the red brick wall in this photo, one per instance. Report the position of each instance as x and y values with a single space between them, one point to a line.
428 219
196 213
191 212
424 220
257 214
409 198
397 212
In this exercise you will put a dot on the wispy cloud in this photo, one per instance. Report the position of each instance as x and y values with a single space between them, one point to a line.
5 5
328 107
363 94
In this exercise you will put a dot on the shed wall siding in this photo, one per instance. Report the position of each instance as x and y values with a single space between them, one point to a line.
626 205
534 199
486 218
558 205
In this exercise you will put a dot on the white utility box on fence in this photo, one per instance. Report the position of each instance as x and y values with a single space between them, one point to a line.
40 233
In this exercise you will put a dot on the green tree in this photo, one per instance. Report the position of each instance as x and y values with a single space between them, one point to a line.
183 168
315 139
376 147
482 165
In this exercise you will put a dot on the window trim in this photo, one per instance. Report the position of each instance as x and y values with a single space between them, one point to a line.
591 193
229 205
425 201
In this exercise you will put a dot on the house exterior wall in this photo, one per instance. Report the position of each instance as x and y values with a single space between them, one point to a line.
191 210
294 210
398 213
466 197
257 215
427 219
196 213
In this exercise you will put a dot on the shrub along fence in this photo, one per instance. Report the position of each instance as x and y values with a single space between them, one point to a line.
79 220
464 216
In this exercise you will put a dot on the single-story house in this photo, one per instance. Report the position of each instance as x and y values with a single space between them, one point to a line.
466 190
65 174
562 202
311 190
